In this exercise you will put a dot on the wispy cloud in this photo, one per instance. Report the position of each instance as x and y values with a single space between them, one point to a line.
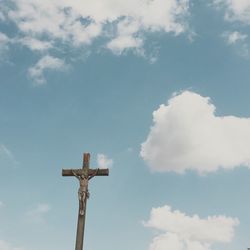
187 135
178 231
236 11
235 37
6 155
239 41
46 63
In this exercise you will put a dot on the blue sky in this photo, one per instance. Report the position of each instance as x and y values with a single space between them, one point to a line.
158 91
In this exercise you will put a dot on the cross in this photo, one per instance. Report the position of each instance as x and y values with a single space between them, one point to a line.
83 175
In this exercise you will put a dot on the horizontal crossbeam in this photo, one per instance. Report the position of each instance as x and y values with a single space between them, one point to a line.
79 172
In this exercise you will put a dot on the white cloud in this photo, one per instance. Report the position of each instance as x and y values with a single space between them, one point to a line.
126 37
79 23
187 134
236 10
1 204
178 231
122 43
4 245
44 64
36 215
103 161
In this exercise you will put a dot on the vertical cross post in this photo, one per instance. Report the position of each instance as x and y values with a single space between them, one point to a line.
83 175
82 193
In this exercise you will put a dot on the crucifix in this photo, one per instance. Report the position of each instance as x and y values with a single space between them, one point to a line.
83 174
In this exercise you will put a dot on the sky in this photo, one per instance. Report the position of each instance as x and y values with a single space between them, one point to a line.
157 91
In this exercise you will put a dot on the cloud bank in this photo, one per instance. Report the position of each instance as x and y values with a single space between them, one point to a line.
59 27
42 23
178 231
187 135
